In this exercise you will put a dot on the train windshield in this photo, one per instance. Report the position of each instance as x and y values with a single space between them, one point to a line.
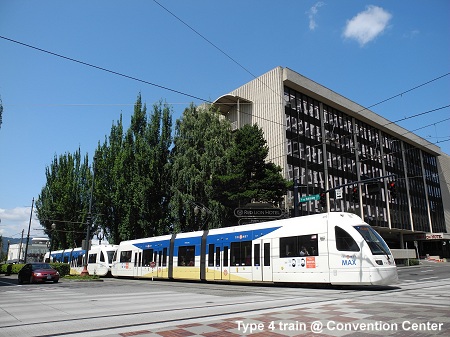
111 254
374 240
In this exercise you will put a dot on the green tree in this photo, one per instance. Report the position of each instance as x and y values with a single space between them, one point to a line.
201 141
132 190
64 200
107 182
249 177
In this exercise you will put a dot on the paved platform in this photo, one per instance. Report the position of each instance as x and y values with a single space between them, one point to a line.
342 318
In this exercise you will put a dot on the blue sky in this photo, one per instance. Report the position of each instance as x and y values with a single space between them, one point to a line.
365 51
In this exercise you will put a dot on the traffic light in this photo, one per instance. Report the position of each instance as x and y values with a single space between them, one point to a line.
392 189
355 194
323 199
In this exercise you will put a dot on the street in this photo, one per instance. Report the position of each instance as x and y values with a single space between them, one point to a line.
125 307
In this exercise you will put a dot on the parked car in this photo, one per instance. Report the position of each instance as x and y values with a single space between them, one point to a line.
34 272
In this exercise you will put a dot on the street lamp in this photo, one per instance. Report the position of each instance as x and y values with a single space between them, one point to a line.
100 236
202 210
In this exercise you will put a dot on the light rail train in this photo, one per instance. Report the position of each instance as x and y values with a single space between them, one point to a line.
332 248
99 259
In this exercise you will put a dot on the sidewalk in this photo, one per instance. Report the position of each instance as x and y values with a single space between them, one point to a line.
342 318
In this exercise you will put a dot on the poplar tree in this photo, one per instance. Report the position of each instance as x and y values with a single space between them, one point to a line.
132 191
201 141
64 200
107 176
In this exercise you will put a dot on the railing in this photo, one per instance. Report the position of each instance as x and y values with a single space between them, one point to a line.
400 254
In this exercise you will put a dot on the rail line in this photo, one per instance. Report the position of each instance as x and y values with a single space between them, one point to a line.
282 302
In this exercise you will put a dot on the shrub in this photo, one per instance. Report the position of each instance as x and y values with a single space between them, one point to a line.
412 262
62 268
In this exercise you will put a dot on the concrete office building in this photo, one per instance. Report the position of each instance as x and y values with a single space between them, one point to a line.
323 140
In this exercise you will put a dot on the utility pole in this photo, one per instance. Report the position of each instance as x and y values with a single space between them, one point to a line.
20 247
85 271
28 235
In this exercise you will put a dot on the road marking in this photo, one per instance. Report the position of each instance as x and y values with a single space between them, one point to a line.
428 278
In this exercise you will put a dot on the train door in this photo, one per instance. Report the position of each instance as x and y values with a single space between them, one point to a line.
267 260
160 259
257 272
221 262
137 266
262 264
162 263
345 257
218 270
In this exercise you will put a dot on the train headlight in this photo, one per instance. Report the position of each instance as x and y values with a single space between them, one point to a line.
379 262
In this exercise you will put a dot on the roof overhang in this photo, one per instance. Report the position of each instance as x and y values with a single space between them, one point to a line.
228 102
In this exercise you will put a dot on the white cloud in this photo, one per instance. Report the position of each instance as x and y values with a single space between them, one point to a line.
312 14
412 34
367 25
14 220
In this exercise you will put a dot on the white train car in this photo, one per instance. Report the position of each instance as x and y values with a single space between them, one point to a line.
333 248
142 258
99 259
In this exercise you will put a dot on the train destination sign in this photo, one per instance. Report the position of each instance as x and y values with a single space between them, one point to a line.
258 212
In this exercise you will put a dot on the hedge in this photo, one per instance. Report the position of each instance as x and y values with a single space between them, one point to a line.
62 268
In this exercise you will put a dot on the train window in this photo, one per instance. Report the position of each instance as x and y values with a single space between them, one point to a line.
295 246
186 256
344 241
225 256
155 256
92 258
102 257
147 255
267 254
66 259
241 253
288 247
125 256
110 255
164 263
256 254
160 258
376 244
80 260
217 256
211 255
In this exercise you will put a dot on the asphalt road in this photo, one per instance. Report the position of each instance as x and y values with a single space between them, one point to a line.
125 307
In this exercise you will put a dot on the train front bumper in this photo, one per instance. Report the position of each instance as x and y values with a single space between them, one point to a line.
383 275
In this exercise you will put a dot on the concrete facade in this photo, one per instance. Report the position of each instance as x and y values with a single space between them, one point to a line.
322 140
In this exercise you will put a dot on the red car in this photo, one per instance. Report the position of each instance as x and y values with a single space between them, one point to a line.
34 272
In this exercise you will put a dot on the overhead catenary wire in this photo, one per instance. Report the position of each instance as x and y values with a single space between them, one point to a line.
201 99
104 69
215 46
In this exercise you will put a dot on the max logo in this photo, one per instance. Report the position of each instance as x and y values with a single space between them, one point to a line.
349 260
